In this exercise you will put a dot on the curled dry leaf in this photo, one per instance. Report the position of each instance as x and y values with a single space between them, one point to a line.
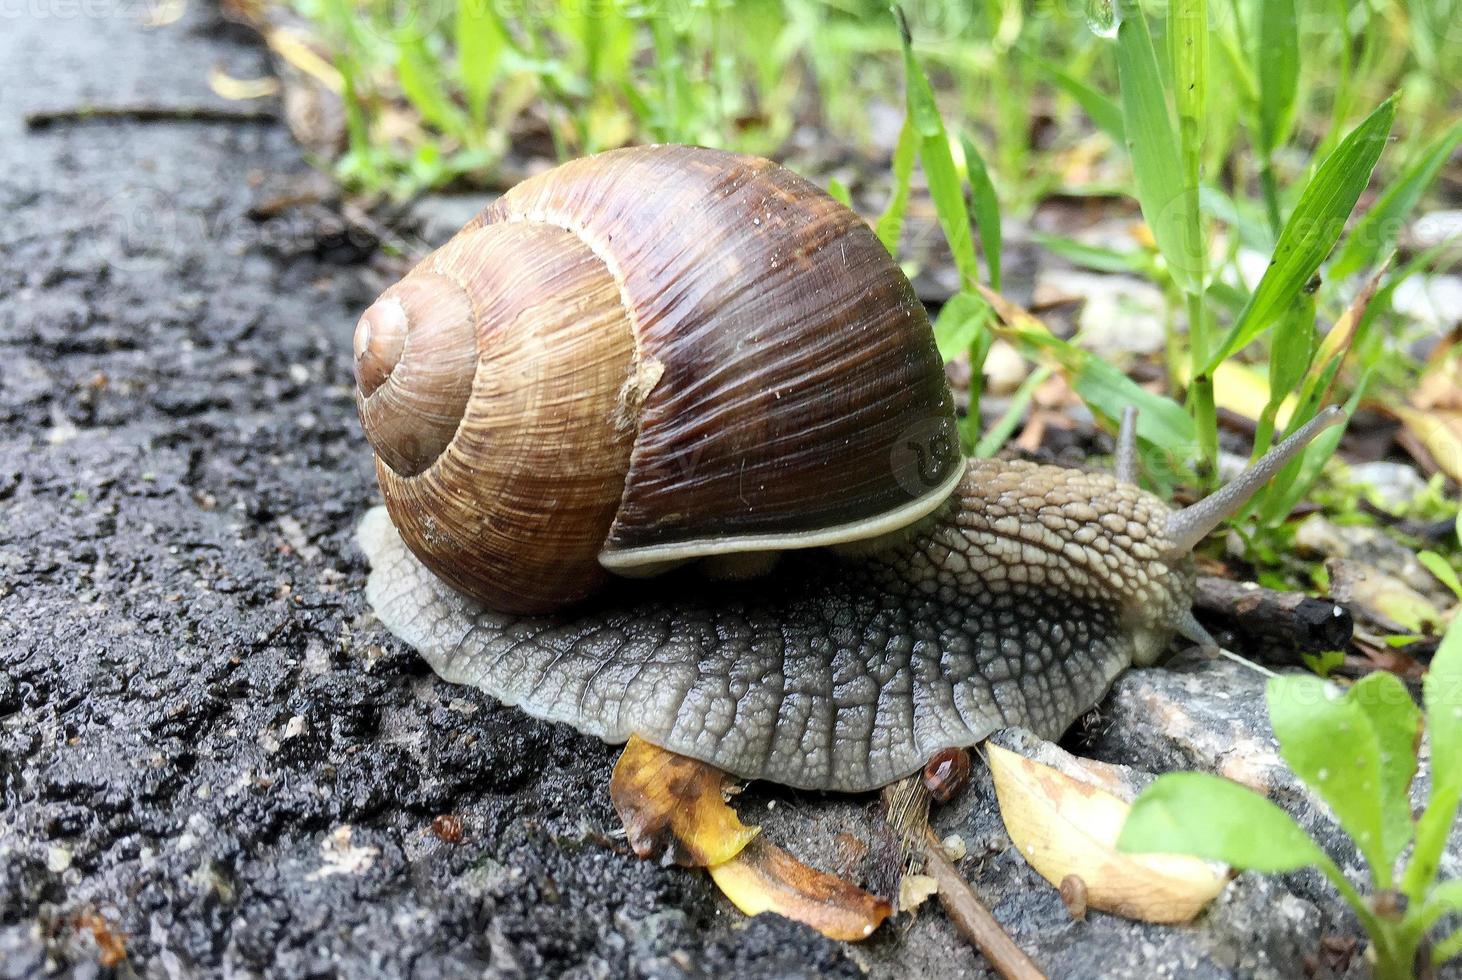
294 49
1432 422
674 807
226 86
765 878
1065 827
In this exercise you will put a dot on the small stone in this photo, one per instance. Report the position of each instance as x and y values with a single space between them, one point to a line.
1119 314
58 859
1432 301
953 847
1390 485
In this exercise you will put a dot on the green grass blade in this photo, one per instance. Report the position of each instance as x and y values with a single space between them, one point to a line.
890 224
1153 144
959 322
1188 50
1106 390
481 42
1443 571
1447 949
987 209
1277 65
947 191
421 82
1104 113
1313 228
838 191
1096 257
992 440
945 187
1290 357
1187 31
1375 233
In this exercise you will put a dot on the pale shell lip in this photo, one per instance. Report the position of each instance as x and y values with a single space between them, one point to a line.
626 561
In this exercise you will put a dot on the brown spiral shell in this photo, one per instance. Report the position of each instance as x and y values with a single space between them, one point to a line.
646 356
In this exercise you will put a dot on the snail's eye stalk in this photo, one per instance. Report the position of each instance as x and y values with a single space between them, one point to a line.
1125 468
1192 524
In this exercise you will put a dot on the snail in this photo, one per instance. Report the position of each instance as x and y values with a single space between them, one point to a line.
667 355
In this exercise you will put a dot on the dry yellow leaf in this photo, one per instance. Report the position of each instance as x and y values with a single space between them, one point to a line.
225 86
161 14
1441 383
765 878
293 48
1063 827
1011 314
674 807
1383 599
1439 433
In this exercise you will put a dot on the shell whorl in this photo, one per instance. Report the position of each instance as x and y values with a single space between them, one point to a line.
512 505
415 357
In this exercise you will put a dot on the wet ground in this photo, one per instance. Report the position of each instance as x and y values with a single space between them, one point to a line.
209 751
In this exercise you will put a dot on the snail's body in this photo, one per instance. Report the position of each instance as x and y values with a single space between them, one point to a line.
840 673
666 354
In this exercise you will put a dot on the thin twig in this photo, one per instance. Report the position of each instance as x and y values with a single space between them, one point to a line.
973 920
1283 624
906 811
145 113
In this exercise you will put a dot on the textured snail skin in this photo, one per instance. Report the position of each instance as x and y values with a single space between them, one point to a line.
1018 605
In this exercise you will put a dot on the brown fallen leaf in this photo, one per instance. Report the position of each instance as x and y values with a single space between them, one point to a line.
765 878
674 807
1064 826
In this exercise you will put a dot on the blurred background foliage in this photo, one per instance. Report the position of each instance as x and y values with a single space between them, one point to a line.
1265 161
437 88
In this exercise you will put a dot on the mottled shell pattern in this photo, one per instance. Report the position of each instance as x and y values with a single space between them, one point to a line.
647 356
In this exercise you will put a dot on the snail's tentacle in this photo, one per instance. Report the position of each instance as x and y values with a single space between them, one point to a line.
1192 524
835 674
1125 468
